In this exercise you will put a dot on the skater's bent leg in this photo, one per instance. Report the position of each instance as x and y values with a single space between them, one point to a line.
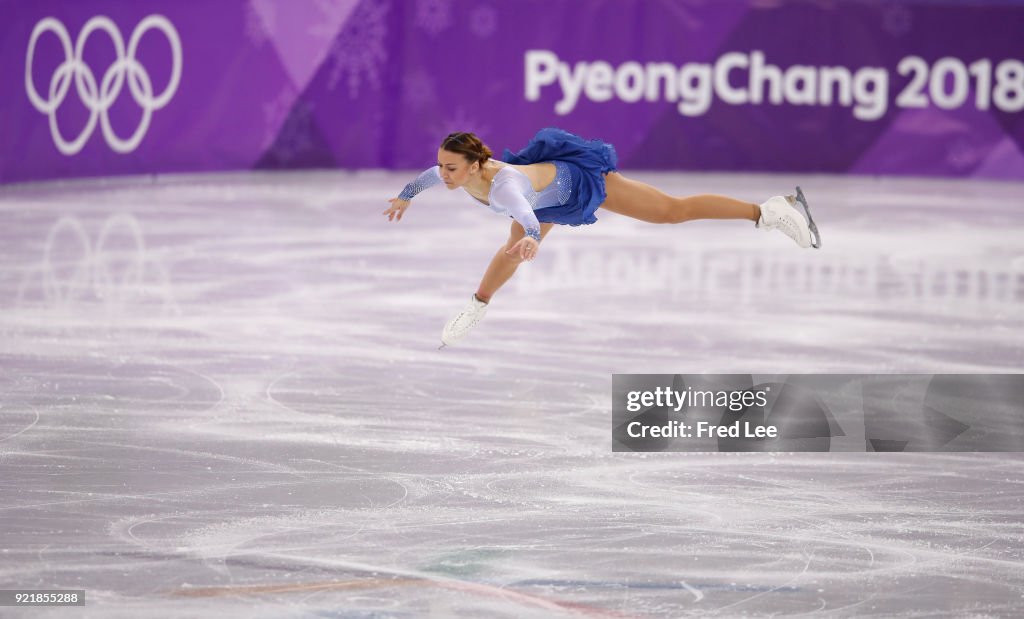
641 201
502 265
501 268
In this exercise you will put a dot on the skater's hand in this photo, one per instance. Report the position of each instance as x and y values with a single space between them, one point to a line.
398 207
526 248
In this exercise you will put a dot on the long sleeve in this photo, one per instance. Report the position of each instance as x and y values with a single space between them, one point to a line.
429 178
506 196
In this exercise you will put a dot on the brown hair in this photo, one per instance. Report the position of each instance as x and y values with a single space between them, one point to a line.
467 145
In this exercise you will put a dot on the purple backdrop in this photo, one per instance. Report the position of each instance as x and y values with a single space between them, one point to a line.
920 88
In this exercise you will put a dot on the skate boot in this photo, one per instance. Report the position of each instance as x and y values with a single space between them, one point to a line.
458 327
780 213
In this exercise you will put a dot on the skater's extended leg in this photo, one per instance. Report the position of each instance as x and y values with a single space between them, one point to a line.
646 203
503 266
641 201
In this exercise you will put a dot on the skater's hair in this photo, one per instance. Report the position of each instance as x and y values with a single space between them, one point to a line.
467 145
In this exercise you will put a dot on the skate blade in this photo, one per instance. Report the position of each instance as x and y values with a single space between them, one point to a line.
799 198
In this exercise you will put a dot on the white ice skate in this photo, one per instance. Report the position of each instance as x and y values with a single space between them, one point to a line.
458 327
780 213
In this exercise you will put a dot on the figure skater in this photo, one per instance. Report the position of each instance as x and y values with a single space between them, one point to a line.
561 178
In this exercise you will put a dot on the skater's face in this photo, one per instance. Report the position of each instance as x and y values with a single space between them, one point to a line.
455 168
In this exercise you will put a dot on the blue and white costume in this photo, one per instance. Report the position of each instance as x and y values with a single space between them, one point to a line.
571 199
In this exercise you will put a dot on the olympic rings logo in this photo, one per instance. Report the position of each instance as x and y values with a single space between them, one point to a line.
98 100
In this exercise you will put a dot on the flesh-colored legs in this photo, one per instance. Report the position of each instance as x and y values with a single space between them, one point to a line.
641 201
502 265
632 199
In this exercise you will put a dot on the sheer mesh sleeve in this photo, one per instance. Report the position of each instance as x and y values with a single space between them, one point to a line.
427 179
505 195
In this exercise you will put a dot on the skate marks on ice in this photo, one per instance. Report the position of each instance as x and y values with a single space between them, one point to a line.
608 538
230 402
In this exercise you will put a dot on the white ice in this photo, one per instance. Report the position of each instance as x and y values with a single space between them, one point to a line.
221 395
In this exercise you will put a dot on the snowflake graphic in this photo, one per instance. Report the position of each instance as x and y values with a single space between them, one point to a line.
359 50
331 12
434 16
418 89
483 21
460 121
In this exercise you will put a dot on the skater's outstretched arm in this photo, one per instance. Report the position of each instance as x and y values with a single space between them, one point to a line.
429 178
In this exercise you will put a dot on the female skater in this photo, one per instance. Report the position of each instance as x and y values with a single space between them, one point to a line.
560 178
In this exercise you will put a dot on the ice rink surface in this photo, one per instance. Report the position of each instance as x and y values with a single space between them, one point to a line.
221 395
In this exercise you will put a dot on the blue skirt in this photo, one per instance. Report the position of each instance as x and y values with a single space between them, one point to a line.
589 161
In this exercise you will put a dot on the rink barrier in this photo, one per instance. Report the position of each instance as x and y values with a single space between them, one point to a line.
102 87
